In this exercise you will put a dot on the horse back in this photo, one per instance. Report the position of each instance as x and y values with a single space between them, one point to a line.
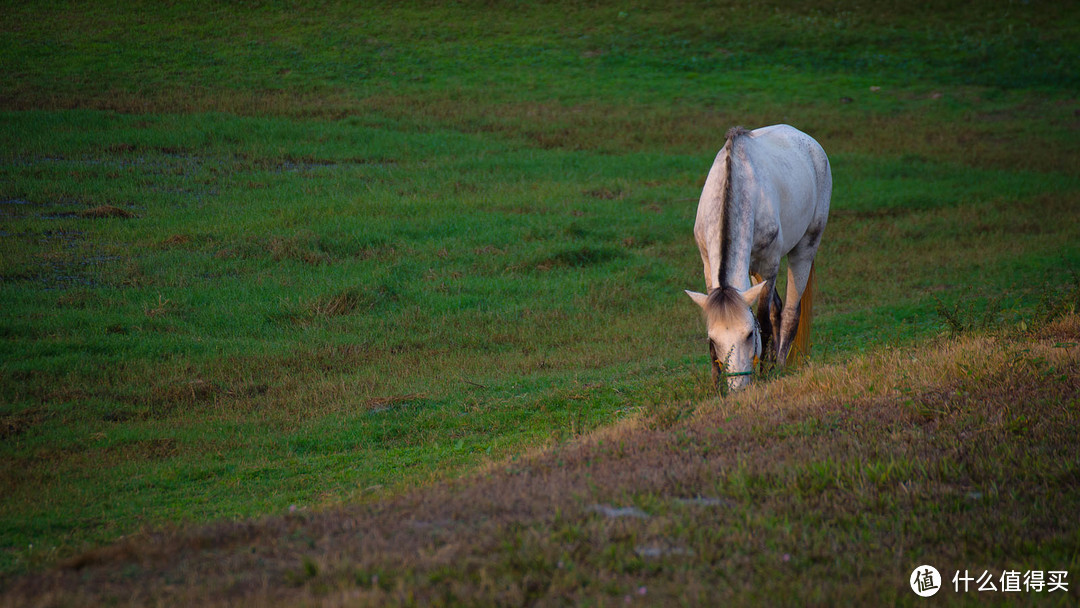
793 180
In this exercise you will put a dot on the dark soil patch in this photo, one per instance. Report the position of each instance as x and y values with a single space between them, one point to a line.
106 211
15 424
177 239
381 404
581 257
605 194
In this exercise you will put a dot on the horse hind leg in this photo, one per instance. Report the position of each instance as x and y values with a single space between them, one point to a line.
800 348
799 274
789 326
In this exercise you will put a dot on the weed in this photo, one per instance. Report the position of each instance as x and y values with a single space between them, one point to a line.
969 316
343 303
1056 302
159 309
307 571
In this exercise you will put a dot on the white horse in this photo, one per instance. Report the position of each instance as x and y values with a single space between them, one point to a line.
766 196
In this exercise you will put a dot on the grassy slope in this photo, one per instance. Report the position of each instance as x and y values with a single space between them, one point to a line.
370 251
822 488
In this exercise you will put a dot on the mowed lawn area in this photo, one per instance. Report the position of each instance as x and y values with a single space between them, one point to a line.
280 277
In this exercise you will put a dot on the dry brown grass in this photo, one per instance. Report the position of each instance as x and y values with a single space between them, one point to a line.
827 486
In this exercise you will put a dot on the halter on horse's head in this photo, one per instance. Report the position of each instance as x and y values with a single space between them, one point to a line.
734 333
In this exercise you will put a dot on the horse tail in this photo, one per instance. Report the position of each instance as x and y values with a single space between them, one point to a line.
801 346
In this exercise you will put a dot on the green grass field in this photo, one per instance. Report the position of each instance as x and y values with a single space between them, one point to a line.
276 257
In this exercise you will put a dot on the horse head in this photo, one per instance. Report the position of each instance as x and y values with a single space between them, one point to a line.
734 335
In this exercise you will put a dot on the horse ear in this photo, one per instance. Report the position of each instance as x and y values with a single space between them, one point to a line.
751 295
698 298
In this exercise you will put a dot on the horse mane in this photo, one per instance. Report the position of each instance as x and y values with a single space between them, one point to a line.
725 237
735 132
725 305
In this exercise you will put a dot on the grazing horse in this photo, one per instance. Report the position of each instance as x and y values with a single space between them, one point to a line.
766 197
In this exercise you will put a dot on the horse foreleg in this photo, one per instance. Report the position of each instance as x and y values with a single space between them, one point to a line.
776 311
768 316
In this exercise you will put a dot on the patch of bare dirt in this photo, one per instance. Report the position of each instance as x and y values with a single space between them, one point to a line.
106 211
